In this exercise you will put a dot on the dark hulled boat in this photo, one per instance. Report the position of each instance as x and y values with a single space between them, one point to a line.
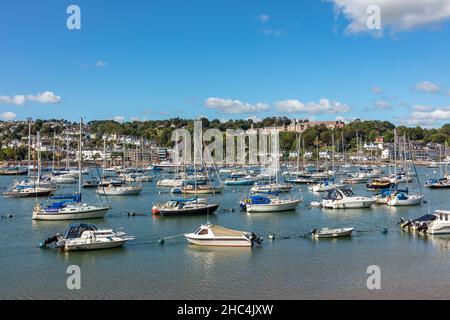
185 207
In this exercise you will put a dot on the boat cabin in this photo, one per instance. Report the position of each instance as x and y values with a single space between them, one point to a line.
76 230
338 194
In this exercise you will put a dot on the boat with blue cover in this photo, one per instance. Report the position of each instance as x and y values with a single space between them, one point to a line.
70 206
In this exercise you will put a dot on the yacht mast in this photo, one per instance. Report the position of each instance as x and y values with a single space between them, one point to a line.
29 148
38 146
53 151
395 151
104 159
79 158
332 153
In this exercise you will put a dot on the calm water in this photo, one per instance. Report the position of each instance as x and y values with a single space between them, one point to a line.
292 268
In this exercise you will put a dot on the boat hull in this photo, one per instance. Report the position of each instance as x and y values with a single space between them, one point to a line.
94 246
188 212
288 206
334 233
219 241
121 192
361 204
57 216
406 202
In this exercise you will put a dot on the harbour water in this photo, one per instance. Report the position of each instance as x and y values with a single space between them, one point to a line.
291 267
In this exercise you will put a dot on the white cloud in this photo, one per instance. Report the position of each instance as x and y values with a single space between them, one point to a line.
119 119
46 97
325 106
8 116
101 64
427 86
428 118
263 18
18 100
234 106
255 119
422 108
274 32
381 104
377 90
396 15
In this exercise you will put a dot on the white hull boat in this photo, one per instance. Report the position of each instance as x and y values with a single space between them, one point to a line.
405 200
169 183
120 190
331 233
441 225
69 212
213 235
324 187
265 204
341 198
88 237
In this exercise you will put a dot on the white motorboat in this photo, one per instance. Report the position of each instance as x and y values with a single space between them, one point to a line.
359 177
213 235
331 233
170 183
88 237
400 198
120 190
341 198
272 188
266 204
441 223
325 186
436 223
64 179
138 177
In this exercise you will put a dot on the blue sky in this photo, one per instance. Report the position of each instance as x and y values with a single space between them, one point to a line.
226 59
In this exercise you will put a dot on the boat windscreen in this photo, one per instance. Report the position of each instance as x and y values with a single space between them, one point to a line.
427 217
348 192
75 231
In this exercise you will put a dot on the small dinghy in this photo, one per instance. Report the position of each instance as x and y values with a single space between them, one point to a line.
331 233
87 237
213 235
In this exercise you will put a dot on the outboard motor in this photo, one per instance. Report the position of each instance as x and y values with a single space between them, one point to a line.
254 238
50 240
422 227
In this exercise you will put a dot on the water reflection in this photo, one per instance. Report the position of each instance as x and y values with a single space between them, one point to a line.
209 257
